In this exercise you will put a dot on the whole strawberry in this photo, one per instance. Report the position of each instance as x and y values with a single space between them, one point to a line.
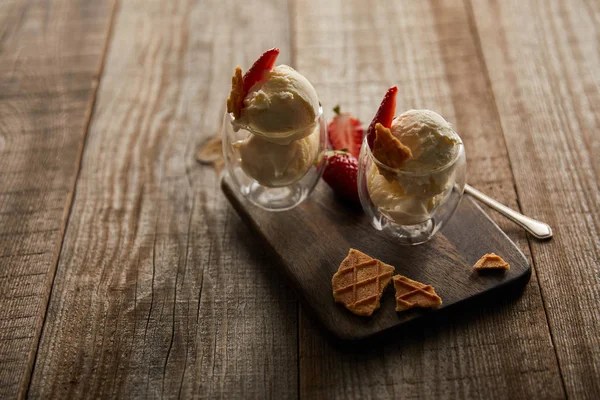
341 175
345 132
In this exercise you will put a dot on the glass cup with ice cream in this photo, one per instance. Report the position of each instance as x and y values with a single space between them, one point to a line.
411 172
273 134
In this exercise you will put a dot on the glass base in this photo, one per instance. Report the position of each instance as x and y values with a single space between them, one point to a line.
406 234
275 199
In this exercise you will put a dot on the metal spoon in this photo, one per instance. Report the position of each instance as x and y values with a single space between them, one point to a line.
536 228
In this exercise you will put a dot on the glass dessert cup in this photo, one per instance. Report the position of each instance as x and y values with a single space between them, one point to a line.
410 206
275 174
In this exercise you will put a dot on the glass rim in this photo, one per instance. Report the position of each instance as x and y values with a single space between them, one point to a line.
395 171
288 134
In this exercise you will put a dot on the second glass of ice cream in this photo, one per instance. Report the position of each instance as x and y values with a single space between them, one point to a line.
414 201
274 148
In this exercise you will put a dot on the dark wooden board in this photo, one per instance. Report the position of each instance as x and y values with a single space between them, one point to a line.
312 239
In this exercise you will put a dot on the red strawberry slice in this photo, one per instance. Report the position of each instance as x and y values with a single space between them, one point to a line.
385 114
257 71
345 132
341 175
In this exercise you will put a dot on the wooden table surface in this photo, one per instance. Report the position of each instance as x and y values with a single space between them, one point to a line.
124 272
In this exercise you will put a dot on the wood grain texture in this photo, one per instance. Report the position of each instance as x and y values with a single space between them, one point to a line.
50 57
160 289
353 51
542 58
327 231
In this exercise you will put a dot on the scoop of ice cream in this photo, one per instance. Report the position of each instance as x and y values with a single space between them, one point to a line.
430 138
394 203
283 107
434 146
275 165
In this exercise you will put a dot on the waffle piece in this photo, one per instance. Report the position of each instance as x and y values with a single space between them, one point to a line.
211 151
389 151
236 96
359 282
410 294
491 261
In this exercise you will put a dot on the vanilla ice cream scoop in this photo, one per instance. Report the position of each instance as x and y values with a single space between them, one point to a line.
275 165
430 138
282 108
434 145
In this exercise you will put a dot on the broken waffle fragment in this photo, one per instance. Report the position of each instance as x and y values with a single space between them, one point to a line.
236 96
411 294
491 261
388 150
360 281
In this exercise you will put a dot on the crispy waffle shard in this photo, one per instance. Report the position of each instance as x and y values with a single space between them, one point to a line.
491 261
389 151
411 294
360 281
236 96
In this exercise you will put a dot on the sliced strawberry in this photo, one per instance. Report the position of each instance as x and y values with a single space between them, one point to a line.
345 132
257 71
385 114
341 175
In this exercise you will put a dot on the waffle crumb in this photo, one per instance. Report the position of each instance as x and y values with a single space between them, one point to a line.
491 261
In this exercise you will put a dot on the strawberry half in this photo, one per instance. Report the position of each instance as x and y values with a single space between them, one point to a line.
257 71
384 115
345 132
341 175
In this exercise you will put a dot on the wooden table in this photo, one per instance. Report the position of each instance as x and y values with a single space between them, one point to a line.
125 273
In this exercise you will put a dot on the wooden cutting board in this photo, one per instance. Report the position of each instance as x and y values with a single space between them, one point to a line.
312 239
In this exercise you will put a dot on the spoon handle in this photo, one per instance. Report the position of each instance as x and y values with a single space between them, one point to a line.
536 228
